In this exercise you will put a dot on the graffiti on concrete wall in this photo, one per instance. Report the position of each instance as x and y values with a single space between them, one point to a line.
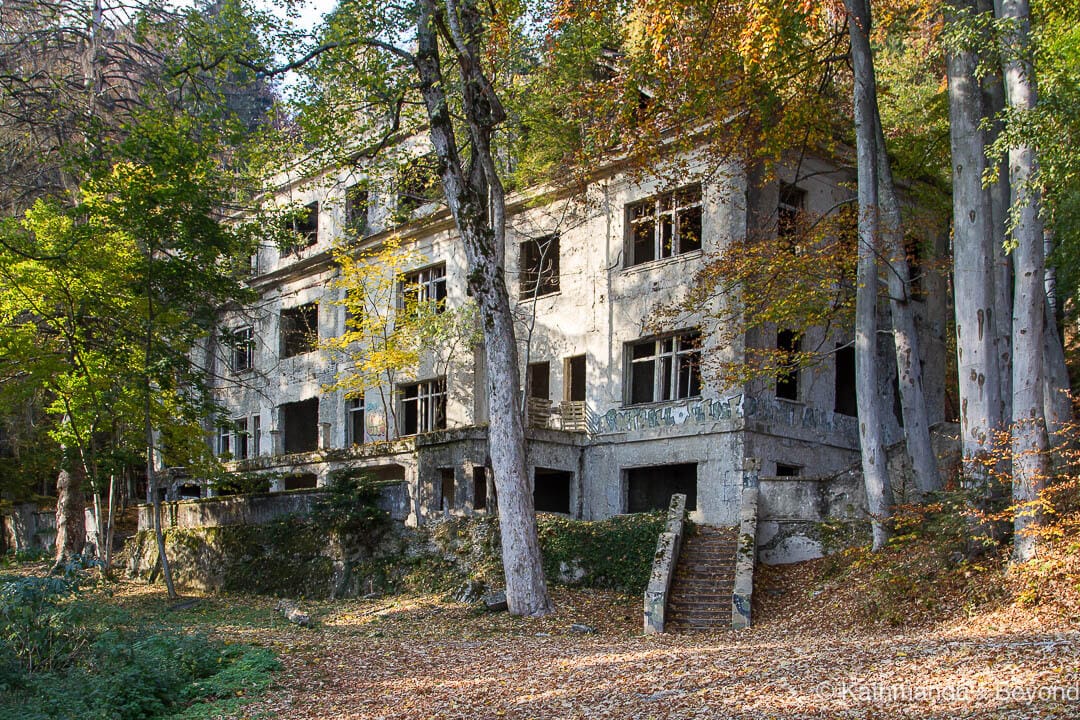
765 410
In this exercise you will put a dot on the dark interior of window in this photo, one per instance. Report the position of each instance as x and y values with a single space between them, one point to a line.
551 490
575 378
299 329
788 210
479 478
356 209
446 489
417 185
300 423
651 488
304 481
783 470
787 381
844 382
539 375
539 266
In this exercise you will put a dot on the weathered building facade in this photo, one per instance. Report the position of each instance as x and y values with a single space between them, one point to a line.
620 412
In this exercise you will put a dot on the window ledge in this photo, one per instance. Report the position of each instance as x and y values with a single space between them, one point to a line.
660 403
527 299
650 264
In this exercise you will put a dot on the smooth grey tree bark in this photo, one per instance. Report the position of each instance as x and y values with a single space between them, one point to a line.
973 271
905 335
1029 435
872 446
475 195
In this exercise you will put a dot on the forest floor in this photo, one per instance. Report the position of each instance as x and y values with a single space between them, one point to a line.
845 637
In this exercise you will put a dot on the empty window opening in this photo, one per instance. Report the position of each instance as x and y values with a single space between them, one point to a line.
304 225
667 368
787 379
789 212
189 491
354 421
299 329
551 490
844 401
539 266
356 209
651 488
479 479
574 372
417 185
424 291
665 225
783 470
538 380
300 423
423 407
447 484
303 481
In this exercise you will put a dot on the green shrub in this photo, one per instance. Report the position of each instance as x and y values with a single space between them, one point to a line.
64 657
616 553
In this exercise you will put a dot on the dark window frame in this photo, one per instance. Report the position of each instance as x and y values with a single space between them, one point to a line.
242 349
668 366
424 285
357 202
538 263
422 407
664 226
299 338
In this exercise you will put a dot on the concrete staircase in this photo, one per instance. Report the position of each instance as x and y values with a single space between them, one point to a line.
700 596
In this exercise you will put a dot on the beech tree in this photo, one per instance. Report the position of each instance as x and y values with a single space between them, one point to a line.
376 67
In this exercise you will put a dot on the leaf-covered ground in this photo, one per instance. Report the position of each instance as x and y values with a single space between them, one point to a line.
823 647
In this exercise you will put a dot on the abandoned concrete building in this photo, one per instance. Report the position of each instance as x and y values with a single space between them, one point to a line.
619 414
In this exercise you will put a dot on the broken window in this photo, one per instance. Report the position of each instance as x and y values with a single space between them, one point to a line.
299 329
651 488
789 212
304 225
356 209
242 349
303 481
665 225
537 380
424 291
844 401
417 185
354 422
233 440
574 378
787 379
445 500
423 407
551 490
539 266
479 478
783 470
665 368
300 423
256 435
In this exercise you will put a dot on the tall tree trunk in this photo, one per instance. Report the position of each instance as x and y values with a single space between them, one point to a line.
475 195
70 515
973 271
875 473
1029 436
998 199
920 450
